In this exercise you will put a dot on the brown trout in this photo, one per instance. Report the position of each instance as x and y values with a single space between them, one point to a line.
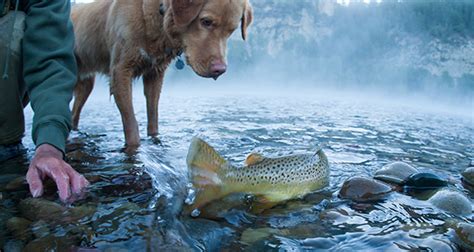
272 180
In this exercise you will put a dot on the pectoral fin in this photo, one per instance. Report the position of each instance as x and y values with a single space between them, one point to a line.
263 202
254 159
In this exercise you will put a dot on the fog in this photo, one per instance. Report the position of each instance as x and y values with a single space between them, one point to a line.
403 52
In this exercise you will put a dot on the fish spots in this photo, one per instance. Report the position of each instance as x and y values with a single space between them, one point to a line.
285 170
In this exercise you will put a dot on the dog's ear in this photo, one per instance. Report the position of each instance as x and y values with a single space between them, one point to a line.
185 11
247 19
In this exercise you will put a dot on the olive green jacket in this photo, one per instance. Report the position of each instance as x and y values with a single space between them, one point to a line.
49 68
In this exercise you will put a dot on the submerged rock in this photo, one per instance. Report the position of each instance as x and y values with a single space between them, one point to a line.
250 235
20 184
424 180
19 227
17 184
452 201
465 233
53 243
14 246
396 172
468 176
40 229
362 189
40 209
420 194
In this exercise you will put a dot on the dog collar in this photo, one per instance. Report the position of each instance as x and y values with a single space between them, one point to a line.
162 9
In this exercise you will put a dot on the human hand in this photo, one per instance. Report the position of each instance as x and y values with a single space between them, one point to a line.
48 162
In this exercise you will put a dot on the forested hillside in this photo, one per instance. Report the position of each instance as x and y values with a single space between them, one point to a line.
415 45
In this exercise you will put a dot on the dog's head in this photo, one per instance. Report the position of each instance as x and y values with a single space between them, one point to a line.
204 26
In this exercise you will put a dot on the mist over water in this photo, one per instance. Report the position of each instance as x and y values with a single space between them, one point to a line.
398 51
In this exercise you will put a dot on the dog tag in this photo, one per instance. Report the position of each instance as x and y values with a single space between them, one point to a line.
179 64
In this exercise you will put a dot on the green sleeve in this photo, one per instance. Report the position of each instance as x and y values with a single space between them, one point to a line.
49 69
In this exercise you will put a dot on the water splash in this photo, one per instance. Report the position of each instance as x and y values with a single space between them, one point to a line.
195 213
191 195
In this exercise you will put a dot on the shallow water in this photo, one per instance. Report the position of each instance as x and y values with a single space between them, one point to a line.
135 201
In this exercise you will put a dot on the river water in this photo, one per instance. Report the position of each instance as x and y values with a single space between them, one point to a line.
135 199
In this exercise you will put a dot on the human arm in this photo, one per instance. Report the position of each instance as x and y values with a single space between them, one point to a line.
49 71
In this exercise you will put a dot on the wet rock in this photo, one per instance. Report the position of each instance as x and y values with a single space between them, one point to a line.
420 194
111 220
40 229
452 201
424 181
5 179
4 216
93 178
51 212
465 233
13 246
334 216
116 249
20 184
293 219
396 172
74 145
250 235
468 176
80 212
81 157
19 227
362 189
127 184
84 249
210 234
17 184
53 243
40 209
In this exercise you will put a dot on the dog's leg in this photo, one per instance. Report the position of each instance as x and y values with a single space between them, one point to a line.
82 90
121 81
152 88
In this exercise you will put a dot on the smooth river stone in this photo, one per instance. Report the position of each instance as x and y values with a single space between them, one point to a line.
465 233
396 172
40 209
17 184
452 201
468 176
251 236
52 243
362 189
19 227
424 180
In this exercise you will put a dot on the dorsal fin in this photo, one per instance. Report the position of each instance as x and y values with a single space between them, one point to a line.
254 158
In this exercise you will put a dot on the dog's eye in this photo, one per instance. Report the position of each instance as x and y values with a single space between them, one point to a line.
206 22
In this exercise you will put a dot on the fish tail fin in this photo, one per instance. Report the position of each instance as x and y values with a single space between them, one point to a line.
205 166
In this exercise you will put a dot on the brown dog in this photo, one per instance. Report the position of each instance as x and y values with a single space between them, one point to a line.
128 39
